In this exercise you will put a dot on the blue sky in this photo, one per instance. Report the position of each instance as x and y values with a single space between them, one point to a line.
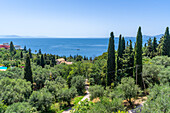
83 18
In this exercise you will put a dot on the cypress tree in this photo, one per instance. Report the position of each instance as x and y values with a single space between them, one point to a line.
53 61
27 70
166 43
21 54
38 60
119 56
39 51
154 44
138 58
30 53
111 61
123 45
149 48
42 61
25 49
120 46
12 48
131 62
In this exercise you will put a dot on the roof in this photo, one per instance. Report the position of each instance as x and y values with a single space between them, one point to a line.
5 46
60 59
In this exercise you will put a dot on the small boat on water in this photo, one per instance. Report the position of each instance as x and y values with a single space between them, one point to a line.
78 49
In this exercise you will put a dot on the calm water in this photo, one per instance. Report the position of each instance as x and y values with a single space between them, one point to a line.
90 47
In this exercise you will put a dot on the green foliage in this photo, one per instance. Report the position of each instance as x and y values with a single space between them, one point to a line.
41 100
67 94
12 48
111 61
154 44
14 90
20 107
14 73
150 74
3 107
96 91
30 54
42 61
161 60
91 81
164 75
54 87
164 49
83 107
158 100
77 99
138 58
27 70
107 106
129 89
79 83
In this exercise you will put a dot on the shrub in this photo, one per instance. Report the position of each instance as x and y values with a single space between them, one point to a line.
79 83
41 99
96 91
3 107
20 107
129 89
164 75
158 100
107 106
14 90
67 94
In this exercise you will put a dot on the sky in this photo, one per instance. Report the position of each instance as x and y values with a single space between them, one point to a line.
83 18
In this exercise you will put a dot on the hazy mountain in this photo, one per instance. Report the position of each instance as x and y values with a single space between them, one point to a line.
17 36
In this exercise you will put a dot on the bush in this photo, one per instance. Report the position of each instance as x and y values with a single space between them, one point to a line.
128 88
107 106
20 107
158 100
79 83
164 75
91 80
14 90
67 94
3 107
41 99
150 73
96 91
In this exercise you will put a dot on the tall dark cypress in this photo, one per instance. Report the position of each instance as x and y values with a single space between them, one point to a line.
154 44
12 48
119 51
111 61
27 70
21 54
131 63
119 56
149 48
38 60
30 53
123 45
39 51
42 61
138 59
25 48
166 43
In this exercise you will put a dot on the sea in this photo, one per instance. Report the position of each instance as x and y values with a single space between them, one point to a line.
89 47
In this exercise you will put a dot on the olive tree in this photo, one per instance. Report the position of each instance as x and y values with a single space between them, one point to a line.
14 90
41 100
20 107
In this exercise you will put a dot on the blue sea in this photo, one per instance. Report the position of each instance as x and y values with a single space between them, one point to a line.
90 47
